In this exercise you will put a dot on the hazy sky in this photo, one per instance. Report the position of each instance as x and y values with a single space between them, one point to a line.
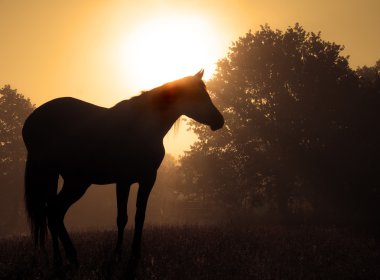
105 51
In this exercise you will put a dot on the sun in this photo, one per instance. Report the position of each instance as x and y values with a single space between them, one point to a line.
167 48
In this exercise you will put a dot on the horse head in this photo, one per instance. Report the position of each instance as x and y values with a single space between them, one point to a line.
194 101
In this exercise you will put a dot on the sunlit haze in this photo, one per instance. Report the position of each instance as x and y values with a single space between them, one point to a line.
166 48
106 51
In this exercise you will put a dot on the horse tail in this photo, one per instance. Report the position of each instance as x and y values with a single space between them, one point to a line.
36 194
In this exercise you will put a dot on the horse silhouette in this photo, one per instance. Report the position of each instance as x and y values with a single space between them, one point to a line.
87 144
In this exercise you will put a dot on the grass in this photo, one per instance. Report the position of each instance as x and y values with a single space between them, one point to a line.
191 252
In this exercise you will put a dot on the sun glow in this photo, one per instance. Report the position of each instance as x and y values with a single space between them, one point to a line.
167 48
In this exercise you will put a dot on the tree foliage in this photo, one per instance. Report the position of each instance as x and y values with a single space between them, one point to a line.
14 109
297 123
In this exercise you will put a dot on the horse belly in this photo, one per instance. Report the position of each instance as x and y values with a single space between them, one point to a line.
102 170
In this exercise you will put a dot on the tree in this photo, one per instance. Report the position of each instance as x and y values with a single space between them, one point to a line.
367 196
288 99
14 109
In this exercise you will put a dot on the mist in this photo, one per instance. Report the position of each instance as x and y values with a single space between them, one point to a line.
283 173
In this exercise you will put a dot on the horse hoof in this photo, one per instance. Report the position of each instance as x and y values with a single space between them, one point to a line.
74 264
132 267
136 251
118 257
57 263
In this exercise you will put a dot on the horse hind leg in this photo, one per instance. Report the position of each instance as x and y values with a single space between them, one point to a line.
69 194
53 228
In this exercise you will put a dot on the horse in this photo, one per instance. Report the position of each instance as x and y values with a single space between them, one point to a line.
87 144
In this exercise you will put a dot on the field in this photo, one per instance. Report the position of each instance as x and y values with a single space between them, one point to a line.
193 252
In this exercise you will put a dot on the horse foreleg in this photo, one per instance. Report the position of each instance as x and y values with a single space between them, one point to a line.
145 186
122 193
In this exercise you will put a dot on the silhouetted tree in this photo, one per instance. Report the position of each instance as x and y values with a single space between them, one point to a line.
290 104
14 109
367 149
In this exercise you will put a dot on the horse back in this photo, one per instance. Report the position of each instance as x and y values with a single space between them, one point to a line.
58 120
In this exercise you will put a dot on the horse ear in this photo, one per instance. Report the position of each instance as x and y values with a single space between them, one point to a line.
200 74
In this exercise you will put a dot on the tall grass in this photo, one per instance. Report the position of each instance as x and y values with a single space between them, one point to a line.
193 252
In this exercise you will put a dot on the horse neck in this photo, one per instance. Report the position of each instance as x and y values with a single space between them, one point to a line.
162 115
158 120
165 119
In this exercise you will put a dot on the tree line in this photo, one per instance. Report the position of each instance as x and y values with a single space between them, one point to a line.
301 136
300 140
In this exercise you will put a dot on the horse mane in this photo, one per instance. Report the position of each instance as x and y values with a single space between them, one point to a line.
156 90
162 88
159 90
143 97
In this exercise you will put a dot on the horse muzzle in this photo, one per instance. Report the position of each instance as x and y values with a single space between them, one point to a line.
218 124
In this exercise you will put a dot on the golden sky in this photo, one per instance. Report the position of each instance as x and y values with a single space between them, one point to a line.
105 51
